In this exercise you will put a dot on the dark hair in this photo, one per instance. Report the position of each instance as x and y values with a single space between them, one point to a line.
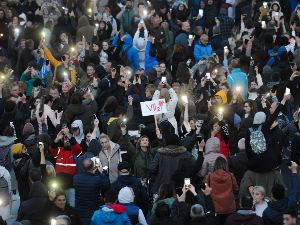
47 141
141 3
59 193
252 105
49 25
162 210
229 94
153 52
165 127
276 77
114 64
165 191
76 99
278 191
8 131
284 56
184 164
249 24
56 46
87 165
246 201
111 196
48 99
221 163
92 65
183 74
64 32
120 110
291 212
9 106
35 174
29 43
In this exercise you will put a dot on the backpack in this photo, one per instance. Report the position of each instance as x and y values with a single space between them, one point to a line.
4 192
124 57
5 159
258 141
104 118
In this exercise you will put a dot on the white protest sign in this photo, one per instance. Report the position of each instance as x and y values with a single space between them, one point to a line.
153 107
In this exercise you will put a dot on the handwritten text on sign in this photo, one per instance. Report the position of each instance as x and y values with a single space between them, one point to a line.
153 107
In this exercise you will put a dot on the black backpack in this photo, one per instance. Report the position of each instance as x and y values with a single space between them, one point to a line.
124 57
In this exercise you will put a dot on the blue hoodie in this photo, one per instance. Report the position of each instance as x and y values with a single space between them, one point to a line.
115 215
149 60
272 59
132 54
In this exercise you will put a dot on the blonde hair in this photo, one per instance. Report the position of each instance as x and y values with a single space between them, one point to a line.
261 190
164 93
50 171
107 138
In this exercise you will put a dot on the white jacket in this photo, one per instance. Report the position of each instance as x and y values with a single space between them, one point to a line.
171 106
140 44
48 112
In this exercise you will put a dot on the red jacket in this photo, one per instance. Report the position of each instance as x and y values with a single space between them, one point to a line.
223 186
65 159
224 149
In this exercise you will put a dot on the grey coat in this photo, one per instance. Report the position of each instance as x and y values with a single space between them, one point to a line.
290 129
165 163
112 161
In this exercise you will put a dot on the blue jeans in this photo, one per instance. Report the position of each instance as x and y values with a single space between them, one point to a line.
70 194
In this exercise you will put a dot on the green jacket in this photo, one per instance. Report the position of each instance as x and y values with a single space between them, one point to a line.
141 160
84 80
44 91
114 130
125 17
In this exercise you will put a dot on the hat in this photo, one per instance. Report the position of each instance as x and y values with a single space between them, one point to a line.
276 48
124 167
200 116
284 41
224 43
181 17
263 90
74 126
37 82
267 71
23 16
33 64
16 149
28 129
223 11
259 118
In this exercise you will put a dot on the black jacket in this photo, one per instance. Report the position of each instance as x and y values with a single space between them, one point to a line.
237 164
26 57
52 211
284 69
33 208
276 143
268 160
295 153
260 59
216 40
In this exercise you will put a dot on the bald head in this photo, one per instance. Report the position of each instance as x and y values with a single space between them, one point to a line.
204 39
29 24
186 26
87 165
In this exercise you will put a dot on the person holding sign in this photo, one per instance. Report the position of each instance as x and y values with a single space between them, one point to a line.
171 99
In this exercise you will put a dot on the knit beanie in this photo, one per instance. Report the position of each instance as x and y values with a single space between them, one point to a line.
28 129
16 149
212 145
259 118
37 82
223 11
267 71
284 41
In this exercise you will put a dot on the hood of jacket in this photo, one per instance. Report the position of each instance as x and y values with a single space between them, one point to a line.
243 216
231 2
125 195
106 212
38 190
82 22
262 55
61 21
212 145
126 179
114 147
223 96
280 205
136 100
277 3
128 40
80 125
283 65
94 147
5 141
172 150
152 74
220 176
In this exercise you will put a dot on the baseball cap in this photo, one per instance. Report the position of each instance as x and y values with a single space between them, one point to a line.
124 167
74 126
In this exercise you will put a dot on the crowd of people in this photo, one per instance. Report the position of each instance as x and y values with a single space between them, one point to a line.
76 147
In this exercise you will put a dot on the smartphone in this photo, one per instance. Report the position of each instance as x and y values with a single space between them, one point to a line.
142 21
214 53
187 182
126 95
97 162
40 113
265 4
137 76
287 91
40 144
17 31
163 79
20 94
95 117
246 41
39 87
123 123
199 139
155 197
104 14
201 12
89 43
96 14
203 186
276 14
263 23
47 62
64 125
180 2
289 163
190 36
59 109
63 58
199 124
184 98
207 76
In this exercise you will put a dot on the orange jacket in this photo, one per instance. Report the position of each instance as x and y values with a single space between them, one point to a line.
58 63
223 186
